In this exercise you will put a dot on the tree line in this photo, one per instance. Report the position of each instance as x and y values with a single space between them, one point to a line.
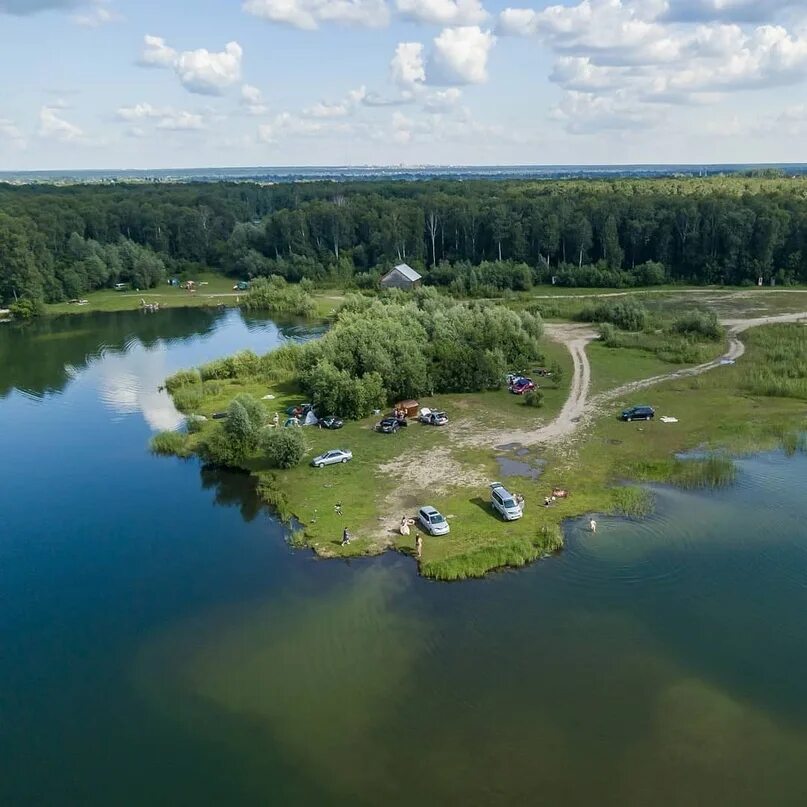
474 237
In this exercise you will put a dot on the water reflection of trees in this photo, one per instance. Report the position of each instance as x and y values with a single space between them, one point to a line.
39 357
233 489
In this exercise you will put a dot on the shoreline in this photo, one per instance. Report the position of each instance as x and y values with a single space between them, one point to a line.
591 457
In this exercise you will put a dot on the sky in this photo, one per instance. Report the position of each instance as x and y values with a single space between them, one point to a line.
192 83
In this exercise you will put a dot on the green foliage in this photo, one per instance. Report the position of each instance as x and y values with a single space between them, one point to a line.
188 398
534 398
556 370
632 501
27 308
334 391
181 379
283 448
277 296
394 348
781 371
218 448
170 444
714 471
628 314
704 324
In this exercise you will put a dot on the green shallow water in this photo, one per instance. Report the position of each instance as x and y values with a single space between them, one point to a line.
163 644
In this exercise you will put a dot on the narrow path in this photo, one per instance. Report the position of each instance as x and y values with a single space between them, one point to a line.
579 407
735 351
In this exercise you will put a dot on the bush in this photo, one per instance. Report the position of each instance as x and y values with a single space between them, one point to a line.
187 398
277 296
220 449
27 309
284 448
181 379
629 315
534 398
699 323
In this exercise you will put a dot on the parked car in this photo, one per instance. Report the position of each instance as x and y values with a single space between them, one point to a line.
331 422
638 413
432 521
504 503
332 457
521 385
434 418
388 426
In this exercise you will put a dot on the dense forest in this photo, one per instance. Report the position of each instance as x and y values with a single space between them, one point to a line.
474 237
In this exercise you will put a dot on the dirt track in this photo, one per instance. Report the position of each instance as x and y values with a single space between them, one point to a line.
579 406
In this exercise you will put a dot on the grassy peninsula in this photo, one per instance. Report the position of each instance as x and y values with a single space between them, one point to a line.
453 356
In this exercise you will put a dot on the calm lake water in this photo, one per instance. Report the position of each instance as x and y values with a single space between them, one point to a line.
161 644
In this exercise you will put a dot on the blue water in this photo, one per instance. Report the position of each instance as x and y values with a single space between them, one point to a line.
162 644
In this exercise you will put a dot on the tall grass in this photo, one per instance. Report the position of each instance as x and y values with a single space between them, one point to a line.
170 444
514 552
633 502
714 471
779 369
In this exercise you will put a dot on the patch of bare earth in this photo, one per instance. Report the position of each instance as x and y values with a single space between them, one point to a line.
417 479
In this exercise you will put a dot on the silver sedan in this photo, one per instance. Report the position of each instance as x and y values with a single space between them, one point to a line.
332 457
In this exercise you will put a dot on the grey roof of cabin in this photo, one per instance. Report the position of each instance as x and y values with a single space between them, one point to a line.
407 271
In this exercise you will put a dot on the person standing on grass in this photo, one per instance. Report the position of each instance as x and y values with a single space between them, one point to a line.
345 537
419 546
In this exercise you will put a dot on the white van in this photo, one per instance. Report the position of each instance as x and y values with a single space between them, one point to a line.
504 502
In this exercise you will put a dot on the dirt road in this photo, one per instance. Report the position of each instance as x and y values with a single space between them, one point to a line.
579 407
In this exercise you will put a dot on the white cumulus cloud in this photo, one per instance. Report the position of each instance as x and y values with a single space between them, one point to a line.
443 12
407 67
460 56
199 71
308 14
165 118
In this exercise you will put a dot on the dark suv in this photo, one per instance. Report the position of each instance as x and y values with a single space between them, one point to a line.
388 426
638 413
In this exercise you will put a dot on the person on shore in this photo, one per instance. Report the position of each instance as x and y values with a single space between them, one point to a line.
592 525
276 420
345 537
404 526
337 508
419 547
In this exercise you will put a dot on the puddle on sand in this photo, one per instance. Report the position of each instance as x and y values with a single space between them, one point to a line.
510 467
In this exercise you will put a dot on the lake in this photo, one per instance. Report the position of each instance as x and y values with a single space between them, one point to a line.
163 644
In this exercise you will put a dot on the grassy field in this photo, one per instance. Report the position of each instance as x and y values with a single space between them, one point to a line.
218 290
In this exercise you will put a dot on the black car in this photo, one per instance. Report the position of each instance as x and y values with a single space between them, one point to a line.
638 413
331 422
388 426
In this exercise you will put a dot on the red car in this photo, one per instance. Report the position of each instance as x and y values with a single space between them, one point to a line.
522 385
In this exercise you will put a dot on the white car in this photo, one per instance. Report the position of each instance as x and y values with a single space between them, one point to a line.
332 457
505 503
432 521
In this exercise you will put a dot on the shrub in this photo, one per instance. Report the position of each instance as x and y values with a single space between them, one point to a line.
27 308
628 314
219 448
170 444
699 323
534 398
181 379
254 408
283 448
187 398
277 296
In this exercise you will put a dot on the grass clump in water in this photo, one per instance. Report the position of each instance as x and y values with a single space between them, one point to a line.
170 444
714 471
633 502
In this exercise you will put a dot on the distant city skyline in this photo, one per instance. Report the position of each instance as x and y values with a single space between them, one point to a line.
106 84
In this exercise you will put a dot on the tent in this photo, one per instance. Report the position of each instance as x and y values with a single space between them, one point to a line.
310 419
